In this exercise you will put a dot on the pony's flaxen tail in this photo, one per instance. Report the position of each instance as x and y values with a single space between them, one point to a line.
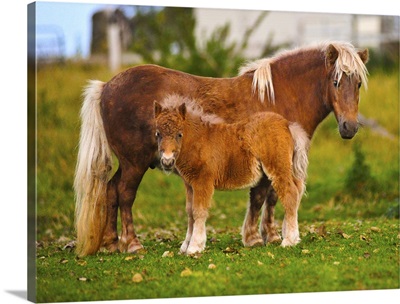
300 153
92 172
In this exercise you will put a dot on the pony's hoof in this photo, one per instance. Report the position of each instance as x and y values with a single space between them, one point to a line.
256 242
287 242
113 247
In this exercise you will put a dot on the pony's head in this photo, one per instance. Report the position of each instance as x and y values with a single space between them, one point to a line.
347 72
169 133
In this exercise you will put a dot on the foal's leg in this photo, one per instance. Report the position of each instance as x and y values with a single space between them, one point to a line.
250 235
267 225
202 195
290 197
189 211
110 237
127 188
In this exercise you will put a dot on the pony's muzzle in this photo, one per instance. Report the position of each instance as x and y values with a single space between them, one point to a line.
348 129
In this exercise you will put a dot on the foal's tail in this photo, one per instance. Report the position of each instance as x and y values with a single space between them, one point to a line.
300 154
91 175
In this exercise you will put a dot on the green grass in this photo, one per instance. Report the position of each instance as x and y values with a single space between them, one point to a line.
348 242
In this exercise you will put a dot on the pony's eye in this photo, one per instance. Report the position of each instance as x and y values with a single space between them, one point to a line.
336 83
180 135
157 134
359 85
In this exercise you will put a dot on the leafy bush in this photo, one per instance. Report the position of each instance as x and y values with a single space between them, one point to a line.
359 182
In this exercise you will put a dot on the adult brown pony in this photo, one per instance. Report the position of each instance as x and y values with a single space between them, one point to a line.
304 85
210 154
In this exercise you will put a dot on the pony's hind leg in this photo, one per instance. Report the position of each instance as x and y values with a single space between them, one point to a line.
189 211
250 235
127 189
268 229
110 237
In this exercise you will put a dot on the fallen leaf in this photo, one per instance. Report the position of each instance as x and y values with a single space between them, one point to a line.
71 245
336 263
363 237
129 258
186 273
346 236
64 261
367 255
82 279
212 266
272 256
168 254
305 251
375 229
229 250
137 278
321 230
81 262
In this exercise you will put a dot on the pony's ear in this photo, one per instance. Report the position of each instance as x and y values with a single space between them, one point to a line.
364 55
182 110
157 109
331 54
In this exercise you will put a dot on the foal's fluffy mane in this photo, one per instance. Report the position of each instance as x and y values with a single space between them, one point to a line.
173 101
348 62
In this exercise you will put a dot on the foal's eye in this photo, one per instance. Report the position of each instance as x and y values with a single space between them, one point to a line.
336 83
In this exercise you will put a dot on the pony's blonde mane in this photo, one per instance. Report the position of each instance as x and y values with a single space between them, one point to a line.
348 62
173 101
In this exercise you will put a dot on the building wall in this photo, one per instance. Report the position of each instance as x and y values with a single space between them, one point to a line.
293 28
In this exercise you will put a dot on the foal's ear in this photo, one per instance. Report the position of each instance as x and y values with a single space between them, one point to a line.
182 110
364 55
157 109
331 54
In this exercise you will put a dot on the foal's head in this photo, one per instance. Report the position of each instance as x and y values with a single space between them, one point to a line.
169 133
347 74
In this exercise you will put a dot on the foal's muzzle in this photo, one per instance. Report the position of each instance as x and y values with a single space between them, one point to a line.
167 163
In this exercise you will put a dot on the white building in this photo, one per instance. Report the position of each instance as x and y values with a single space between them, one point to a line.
295 28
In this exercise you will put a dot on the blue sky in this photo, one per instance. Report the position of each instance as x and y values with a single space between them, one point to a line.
65 27
70 22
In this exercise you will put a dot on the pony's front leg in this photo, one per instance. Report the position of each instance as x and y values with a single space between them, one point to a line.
202 195
189 211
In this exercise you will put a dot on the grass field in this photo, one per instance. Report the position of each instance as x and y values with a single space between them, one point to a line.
350 238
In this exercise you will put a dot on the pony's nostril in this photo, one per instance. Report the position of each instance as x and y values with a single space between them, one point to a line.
345 126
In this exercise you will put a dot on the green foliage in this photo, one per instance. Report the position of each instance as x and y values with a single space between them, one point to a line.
167 37
359 182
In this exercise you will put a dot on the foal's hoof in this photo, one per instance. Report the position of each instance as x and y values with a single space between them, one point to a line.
192 250
184 247
134 248
274 238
